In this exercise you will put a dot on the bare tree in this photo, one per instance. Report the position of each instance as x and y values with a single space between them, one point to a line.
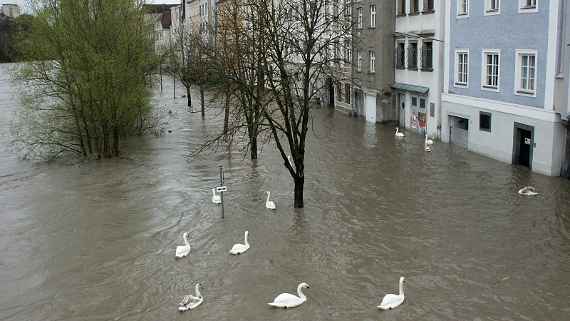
305 40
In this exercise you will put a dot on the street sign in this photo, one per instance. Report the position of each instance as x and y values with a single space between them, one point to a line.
221 189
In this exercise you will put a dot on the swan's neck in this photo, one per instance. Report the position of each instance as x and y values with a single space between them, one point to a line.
268 193
198 294
245 241
300 292
401 287
397 129
186 240
213 192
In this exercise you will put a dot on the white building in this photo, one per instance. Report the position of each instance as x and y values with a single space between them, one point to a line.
419 44
11 10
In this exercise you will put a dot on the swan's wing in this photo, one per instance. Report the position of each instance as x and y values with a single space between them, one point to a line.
286 299
391 301
237 248
182 250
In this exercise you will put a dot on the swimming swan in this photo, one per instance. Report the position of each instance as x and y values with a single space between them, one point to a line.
286 300
391 301
528 191
190 301
398 133
428 141
240 248
216 198
183 250
269 204
427 148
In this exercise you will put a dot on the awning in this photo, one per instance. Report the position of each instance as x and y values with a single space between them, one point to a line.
411 88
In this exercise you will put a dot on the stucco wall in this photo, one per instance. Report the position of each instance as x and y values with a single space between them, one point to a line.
506 31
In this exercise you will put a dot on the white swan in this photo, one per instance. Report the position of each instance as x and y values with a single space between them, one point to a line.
528 191
286 300
240 248
216 198
398 133
428 141
183 250
427 148
190 301
269 204
391 301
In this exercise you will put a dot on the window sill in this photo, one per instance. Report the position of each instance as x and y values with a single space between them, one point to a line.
460 85
485 130
490 88
400 67
427 69
371 28
528 9
413 68
398 15
492 12
415 13
526 93
429 11
462 15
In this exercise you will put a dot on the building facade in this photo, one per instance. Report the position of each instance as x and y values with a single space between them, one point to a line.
499 94
418 45
367 90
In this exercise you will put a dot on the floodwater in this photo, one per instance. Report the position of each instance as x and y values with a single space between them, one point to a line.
96 240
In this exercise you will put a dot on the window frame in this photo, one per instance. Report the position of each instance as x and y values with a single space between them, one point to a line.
423 56
525 9
409 49
401 9
358 61
414 7
461 14
484 113
359 18
490 12
427 9
456 82
518 90
372 16
484 75
400 42
372 61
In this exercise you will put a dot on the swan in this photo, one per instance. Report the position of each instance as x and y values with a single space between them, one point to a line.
216 199
286 300
391 301
240 248
428 141
398 133
183 250
528 191
427 148
190 301
269 204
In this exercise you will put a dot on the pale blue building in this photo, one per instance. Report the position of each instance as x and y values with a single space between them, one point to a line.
504 63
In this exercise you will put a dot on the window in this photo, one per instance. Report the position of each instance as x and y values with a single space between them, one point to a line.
525 72
347 93
427 56
347 51
359 21
528 5
431 109
492 7
461 68
412 55
372 57
485 121
373 16
463 7
358 61
401 8
400 55
414 6
339 91
428 6
414 101
422 103
491 66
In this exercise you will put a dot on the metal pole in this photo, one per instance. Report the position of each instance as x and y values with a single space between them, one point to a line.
222 184
174 85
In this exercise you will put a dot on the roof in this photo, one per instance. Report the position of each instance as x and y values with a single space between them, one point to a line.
411 88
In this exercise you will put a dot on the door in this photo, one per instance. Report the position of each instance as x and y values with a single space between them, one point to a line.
459 131
523 145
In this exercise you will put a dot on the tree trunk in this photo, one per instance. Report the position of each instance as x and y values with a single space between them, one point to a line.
189 97
202 100
299 185
116 140
253 147
227 115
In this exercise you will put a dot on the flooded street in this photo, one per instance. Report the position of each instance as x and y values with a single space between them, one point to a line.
96 240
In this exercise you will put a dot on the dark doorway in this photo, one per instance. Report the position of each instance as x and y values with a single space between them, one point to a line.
523 145
459 131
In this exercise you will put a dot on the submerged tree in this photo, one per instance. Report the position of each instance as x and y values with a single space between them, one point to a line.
86 79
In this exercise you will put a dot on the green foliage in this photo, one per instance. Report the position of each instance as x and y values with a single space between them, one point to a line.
89 62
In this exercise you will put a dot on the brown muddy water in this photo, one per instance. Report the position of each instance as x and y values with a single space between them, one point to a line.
96 241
